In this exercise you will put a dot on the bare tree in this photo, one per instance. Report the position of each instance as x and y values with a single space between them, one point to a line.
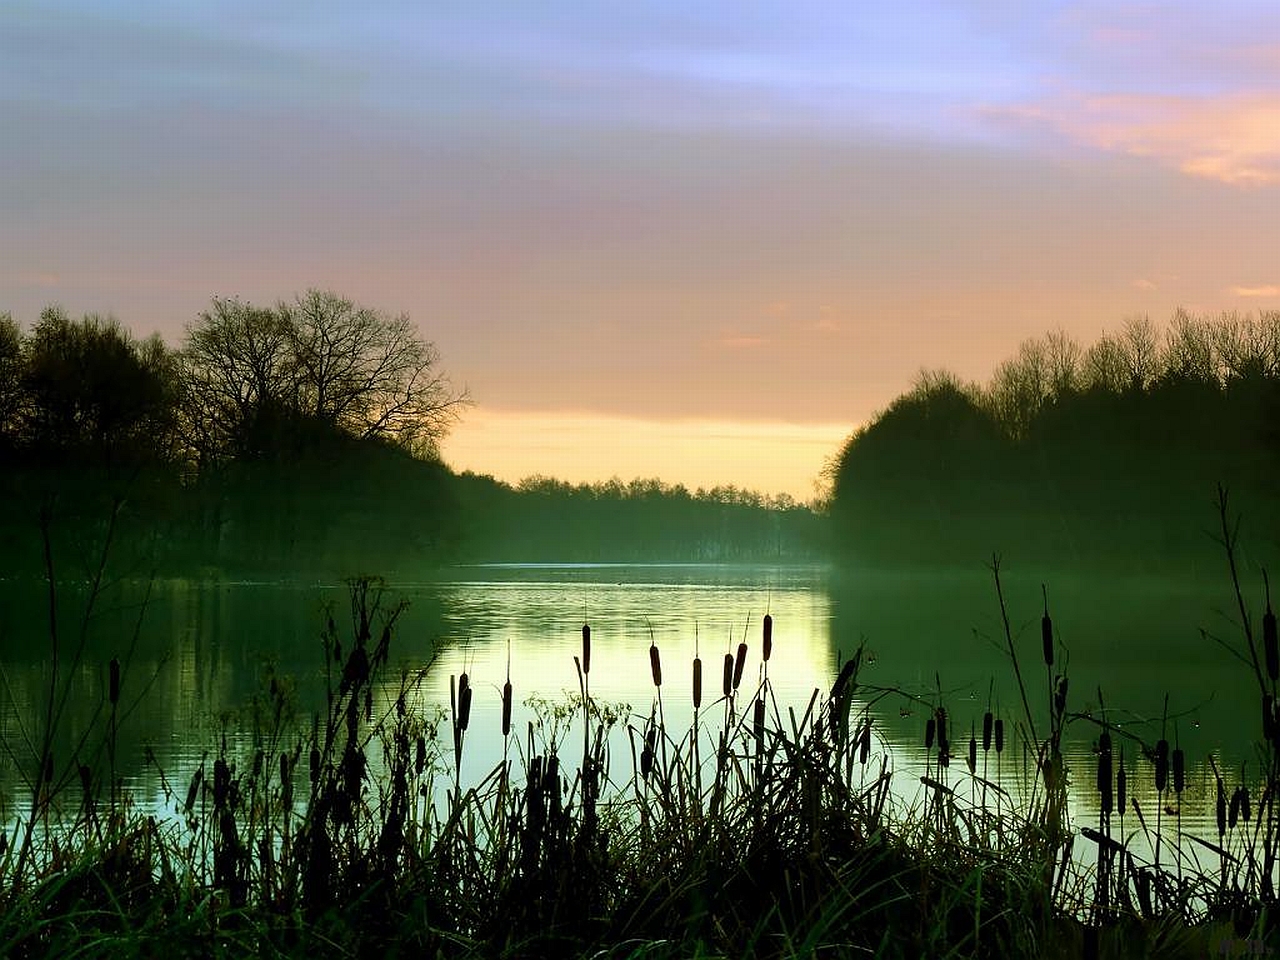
1190 353
1249 347
1019 388
1062 358
367 373
254 375
1139 351
236 367
1104 366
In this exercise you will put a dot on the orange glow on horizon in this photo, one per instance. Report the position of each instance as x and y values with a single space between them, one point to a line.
769 457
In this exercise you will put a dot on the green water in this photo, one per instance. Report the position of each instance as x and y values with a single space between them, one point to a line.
195 652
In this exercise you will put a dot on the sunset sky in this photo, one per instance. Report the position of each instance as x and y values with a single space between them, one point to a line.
699 241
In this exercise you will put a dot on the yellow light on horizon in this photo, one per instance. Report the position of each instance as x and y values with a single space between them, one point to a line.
769 457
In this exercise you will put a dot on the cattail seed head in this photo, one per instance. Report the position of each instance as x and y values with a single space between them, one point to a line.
739 664
506 708
655 664
1244 804
1104 768
864 747
1221 809
943 743
586 648
757 719
1122 780
767 645
1179 771
987 724
314 765
973 754
930 728
113 685
697 682
464 702
1046 629
728 675
999 725
1233 814
1162 765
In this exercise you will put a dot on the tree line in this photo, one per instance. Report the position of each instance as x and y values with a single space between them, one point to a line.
1105 454
301 436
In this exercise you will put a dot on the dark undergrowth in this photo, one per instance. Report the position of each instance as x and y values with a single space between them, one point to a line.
759 832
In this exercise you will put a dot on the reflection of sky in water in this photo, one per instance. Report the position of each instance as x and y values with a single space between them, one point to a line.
202 647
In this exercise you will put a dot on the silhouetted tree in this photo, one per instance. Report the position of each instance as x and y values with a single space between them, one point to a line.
264 383
89 391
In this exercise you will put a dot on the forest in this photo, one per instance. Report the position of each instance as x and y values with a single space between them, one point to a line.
297 440
1100 457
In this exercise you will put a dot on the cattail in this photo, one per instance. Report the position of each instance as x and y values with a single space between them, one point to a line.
864 746
987 723
767 646
1234 813
1179 771
194 790
999 725
1162 765
1122 780
1060 698
586 648
506 708
1269 639
86 781
929 728
757 719
1221 810
943 743
655 664
728 675
739 664
113 686
420 755
314 765
697 682
284 768
1046 630
1244 804
1104 770
973 753
464 702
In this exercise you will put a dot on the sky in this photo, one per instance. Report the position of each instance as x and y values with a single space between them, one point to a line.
702 241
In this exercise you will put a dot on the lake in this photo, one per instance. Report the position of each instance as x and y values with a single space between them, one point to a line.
194 653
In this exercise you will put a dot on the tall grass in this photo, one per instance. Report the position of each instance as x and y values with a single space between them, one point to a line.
770 831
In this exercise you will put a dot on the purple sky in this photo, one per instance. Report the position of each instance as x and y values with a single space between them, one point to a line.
767 216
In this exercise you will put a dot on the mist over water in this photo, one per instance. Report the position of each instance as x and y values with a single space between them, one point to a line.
203 649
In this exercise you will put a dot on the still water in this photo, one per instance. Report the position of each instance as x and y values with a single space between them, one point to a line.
195 653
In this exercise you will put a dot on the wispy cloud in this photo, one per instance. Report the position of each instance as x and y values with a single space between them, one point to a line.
1232 139
1267 290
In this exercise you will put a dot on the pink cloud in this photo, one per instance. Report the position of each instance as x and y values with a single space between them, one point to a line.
1234 140
1267 290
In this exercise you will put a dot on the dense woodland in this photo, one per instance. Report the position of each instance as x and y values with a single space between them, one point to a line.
1105 456
300 439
